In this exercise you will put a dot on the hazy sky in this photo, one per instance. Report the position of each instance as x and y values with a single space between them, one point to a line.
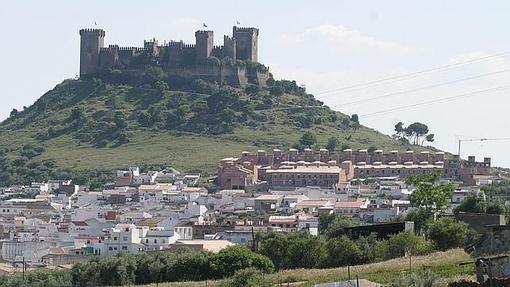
322 44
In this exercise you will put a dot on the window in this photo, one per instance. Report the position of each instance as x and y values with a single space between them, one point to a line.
125 238
124 247
146 240
155 241
110 248
115 238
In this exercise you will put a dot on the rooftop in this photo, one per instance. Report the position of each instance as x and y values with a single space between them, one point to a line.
307 169
269 197
351 204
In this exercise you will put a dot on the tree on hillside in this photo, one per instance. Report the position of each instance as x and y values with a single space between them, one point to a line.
307 140
400 133
252 89
355 122
277 90
332 144
428 194
13 113
355 118
152 75
429 138
119 120
416 133
76 114
399 129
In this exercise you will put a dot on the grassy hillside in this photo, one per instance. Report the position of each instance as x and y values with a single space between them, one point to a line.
115 121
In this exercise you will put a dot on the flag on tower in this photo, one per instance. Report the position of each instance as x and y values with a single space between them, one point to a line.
238 23
205 26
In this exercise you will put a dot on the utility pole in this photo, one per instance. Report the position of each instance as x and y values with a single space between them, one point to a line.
480 140
23 268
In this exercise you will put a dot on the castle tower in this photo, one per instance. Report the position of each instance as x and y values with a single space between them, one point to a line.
92 40
204 44
229 46
246 43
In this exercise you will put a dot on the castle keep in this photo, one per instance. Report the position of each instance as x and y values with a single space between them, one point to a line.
235 62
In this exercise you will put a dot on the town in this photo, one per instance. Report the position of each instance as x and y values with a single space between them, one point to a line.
62 223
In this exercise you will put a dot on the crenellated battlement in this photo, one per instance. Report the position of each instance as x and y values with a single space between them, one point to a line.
203 32
175 44
135 49
246 29
99 32
189 46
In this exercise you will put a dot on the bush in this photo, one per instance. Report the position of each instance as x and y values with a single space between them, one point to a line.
290 251
249 277
37 279
447 233
425 278
399 245
231 259
340 252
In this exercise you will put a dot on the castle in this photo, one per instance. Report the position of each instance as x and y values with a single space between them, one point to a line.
235 62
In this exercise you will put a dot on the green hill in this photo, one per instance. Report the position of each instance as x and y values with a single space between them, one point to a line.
85 128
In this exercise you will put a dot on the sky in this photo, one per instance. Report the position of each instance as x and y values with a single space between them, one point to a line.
323 45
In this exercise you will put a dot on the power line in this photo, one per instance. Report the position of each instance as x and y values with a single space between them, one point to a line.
410 75
437 100
422 88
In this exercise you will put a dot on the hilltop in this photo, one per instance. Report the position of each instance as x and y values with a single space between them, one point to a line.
114 120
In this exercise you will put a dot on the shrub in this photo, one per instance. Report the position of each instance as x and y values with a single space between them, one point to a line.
399 245
340 252
229 260
447 233
249 277
425 278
